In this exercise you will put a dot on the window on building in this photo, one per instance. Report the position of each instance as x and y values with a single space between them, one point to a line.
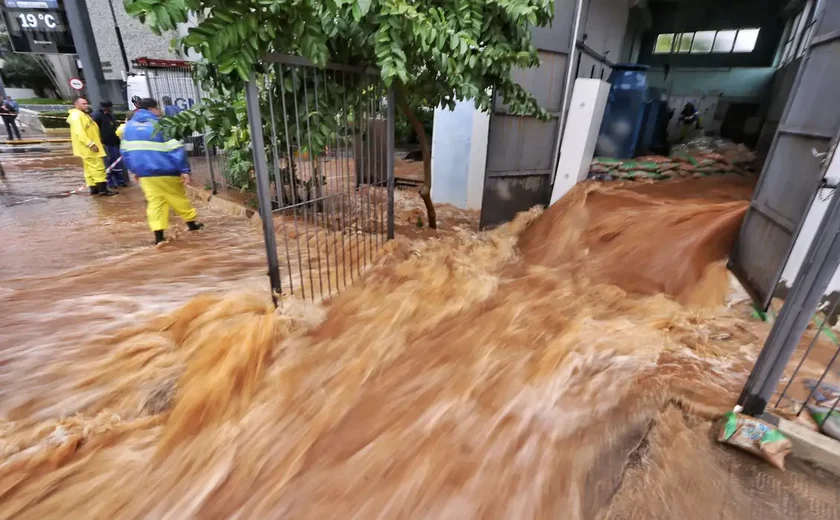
684 42
704 42
724 40
664 43
745 40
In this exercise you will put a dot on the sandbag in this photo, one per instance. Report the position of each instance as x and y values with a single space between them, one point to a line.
755 436
654 159
627 166
827 419
607 162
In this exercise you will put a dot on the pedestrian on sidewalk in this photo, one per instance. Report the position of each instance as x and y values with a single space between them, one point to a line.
9 111
87 145
161 168
107 124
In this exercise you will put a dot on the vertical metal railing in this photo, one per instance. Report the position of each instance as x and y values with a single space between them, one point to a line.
175 89
255 123
324 162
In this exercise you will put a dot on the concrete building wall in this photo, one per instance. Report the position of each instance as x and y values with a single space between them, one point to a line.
139 40
20 93
459 154
740 83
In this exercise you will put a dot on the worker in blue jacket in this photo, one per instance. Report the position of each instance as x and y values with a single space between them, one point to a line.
161 168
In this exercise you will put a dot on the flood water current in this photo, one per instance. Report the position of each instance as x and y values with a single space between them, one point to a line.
566 365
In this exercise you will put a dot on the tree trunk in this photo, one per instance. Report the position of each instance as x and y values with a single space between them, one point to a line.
425 150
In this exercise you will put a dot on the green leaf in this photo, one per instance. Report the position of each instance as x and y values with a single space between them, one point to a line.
364 6
242 70
193 40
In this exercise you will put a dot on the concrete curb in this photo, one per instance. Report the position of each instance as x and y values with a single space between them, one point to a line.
24 149
220 204
818 449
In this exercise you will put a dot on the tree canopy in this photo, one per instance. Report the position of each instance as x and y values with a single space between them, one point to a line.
438 51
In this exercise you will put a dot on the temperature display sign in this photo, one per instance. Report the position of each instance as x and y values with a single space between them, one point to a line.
38 26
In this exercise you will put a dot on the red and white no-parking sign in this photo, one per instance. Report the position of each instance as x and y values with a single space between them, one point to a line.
76 84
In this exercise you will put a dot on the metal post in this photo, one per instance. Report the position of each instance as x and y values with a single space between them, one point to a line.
2 87
206 145
568 86
252 100
801 303
79 20
389 158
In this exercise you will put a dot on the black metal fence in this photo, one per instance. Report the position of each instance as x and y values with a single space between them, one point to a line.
323 143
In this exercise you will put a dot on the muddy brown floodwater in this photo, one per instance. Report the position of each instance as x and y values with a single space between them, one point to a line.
566 365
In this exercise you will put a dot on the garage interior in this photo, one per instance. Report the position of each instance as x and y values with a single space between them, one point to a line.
734 61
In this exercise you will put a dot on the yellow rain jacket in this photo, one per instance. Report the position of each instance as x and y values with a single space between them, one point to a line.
84 132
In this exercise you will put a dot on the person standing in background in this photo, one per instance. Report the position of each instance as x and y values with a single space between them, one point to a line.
9 112
87 145
135 102
689 119
107 124
161 168
169 108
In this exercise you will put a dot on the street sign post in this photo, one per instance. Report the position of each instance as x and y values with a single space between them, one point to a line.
38 26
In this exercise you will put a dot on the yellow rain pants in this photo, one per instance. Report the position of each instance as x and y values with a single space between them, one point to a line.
94 170
161 193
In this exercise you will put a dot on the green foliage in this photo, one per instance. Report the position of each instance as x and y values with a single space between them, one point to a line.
404 133
442 51
23 70
239 171
438 51
58 119
43 101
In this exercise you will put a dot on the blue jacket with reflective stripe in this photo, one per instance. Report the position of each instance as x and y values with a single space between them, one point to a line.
145 151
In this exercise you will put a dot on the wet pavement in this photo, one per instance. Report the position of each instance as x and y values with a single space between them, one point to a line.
62 246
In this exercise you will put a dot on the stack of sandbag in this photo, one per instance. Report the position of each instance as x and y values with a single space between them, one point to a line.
719 149
658 167
649 167
698 158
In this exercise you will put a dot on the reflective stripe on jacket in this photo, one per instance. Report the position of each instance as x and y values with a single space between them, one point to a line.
146 152
83 134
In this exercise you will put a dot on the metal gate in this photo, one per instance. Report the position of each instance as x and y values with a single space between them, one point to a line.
522 150
323 145
795 165
173 87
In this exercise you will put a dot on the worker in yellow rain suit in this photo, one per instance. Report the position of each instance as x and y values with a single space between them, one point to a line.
84 134
160 166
